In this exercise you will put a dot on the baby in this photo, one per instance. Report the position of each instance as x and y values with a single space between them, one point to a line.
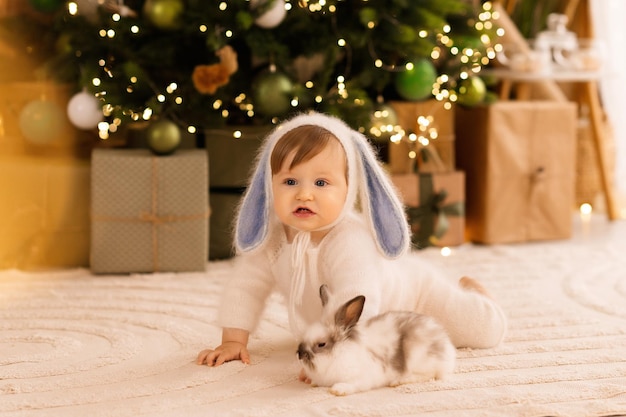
320 209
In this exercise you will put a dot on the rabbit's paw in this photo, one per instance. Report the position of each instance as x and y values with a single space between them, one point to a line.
343 388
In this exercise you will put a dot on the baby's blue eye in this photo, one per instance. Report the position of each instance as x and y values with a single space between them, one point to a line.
320 183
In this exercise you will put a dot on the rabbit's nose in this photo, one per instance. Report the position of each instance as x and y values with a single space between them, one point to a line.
302 352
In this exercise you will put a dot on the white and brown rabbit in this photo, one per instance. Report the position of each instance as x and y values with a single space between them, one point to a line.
390 349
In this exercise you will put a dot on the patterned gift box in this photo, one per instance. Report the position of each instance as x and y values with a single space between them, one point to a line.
149 213
435 207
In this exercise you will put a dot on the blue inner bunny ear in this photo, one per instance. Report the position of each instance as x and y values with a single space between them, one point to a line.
385 210
253 216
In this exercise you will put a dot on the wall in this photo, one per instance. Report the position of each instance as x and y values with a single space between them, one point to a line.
609 20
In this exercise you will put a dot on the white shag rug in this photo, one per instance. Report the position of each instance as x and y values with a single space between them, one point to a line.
74 344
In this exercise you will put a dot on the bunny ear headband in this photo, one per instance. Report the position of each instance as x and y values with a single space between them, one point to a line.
380 204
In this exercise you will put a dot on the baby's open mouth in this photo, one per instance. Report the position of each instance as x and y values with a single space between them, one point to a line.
303 210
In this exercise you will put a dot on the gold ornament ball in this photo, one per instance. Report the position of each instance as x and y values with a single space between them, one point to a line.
471 91
384 120
41 122
163 137
272 93
165 14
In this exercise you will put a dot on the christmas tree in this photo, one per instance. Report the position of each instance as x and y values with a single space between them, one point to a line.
202 64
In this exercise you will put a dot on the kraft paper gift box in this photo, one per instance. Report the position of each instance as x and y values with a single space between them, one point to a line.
231 161
441 119
149 213
44 212
519 159
435 204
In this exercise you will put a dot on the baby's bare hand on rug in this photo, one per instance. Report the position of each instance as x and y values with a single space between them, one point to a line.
226 352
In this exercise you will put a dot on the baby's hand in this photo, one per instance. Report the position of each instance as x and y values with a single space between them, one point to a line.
228 351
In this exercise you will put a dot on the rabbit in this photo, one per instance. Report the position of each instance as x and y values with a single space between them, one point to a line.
390 349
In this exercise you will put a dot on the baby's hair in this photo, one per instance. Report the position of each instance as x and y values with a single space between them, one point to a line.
306 140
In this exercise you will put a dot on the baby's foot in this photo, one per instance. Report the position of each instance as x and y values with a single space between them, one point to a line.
473 285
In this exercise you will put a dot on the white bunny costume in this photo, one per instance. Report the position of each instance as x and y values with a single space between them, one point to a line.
365 252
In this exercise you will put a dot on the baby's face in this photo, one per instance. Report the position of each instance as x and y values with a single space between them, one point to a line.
312 194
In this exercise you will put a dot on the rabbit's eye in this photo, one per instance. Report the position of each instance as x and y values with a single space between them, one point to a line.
321 345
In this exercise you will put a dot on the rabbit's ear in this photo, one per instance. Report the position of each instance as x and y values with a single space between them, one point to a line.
380 203
254 211
324 294
348 315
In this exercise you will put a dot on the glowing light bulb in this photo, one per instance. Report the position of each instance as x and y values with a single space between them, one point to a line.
586 209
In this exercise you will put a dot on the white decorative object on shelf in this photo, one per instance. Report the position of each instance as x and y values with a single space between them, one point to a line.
557 42
554 51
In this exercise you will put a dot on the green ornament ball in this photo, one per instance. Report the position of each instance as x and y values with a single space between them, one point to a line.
417 83
471 91
46 6
271 93
165 14
163 137
41 122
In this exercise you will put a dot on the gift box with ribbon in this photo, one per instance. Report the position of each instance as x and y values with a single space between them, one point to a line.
149 213
435 207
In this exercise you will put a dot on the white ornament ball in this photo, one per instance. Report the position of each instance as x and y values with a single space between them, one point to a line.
273 17
84 111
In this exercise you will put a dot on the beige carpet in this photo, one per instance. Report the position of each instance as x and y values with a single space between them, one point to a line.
73 344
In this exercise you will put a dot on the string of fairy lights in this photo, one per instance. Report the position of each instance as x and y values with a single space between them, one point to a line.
444 89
